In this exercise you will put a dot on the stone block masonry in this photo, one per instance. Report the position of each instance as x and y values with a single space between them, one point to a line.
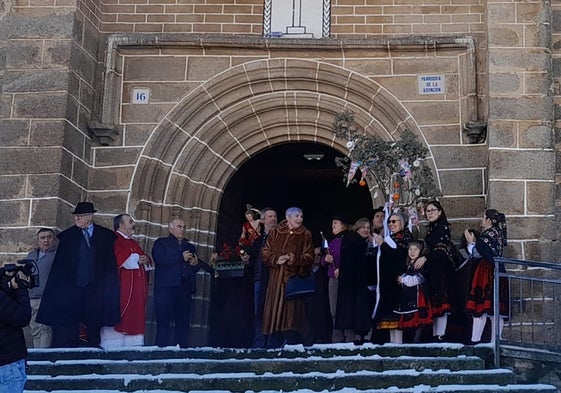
55 86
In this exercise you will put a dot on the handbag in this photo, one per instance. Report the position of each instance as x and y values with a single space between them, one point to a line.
299 287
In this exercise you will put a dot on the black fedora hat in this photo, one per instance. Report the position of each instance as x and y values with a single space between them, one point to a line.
84 208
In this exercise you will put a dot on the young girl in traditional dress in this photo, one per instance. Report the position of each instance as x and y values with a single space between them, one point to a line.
413 308
483 250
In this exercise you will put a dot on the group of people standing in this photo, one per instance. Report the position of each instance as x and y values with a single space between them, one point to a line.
382 282
93 284
391 282
379 279
89 287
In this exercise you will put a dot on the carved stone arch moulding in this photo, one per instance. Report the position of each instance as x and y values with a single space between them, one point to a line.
198 146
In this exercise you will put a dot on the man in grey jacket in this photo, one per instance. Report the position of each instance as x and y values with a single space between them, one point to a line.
43 256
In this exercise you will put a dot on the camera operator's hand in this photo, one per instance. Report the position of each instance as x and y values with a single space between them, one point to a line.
19 277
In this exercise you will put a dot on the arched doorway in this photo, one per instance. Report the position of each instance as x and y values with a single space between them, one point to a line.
299 174
198 148
302 174
214 144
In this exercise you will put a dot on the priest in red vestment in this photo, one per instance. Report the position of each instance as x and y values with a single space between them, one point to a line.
133 265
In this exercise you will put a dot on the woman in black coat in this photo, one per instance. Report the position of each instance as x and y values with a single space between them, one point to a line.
353 297
440 267
392 263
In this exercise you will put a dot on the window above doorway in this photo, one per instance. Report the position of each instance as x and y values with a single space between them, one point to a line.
297 18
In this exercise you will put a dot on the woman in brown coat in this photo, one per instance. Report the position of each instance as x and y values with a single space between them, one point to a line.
288 251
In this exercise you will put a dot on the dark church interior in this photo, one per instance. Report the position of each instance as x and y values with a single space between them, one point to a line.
298 174
293 174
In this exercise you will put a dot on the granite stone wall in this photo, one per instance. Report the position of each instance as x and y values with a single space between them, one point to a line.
36 53
221 93
215 107
521 120
70 132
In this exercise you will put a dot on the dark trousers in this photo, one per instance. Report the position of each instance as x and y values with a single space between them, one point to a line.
172 304
259 339
68 336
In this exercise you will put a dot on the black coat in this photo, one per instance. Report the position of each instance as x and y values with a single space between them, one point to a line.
170 268
440 268
392 264
61 304
15 313
353 296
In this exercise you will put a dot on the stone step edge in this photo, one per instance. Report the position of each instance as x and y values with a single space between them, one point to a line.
519 388
243 382
337 374
323 350
344 358
199 367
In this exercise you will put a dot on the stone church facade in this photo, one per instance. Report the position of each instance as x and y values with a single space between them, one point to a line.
76 124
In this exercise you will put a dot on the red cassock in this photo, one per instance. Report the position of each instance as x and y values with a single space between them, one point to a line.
134 288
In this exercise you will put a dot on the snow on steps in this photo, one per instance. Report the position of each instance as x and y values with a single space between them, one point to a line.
334 368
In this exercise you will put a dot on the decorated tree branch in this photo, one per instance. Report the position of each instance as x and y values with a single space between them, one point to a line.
396 169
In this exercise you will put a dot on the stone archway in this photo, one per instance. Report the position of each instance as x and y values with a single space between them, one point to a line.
198 146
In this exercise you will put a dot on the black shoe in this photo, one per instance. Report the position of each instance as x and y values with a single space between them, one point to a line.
358 341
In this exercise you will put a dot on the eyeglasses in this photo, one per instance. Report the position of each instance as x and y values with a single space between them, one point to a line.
393 221
431 210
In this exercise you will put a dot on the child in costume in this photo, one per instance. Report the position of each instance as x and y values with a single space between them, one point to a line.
414 308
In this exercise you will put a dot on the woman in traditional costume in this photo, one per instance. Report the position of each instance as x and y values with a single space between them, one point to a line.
392 262
483 250
439 267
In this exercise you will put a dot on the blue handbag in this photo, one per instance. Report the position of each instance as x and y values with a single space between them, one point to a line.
299 287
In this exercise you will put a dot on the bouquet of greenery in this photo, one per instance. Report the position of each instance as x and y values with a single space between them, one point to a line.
394 168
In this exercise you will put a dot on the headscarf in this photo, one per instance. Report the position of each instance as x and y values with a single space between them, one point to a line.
498 220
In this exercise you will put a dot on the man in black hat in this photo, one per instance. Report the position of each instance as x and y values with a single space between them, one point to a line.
83 286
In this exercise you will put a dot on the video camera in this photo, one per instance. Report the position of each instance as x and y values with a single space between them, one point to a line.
28 267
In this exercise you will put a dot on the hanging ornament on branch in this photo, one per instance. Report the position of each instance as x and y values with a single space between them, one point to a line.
394 168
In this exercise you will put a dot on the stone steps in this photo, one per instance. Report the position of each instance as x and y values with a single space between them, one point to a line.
403 368
301 366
